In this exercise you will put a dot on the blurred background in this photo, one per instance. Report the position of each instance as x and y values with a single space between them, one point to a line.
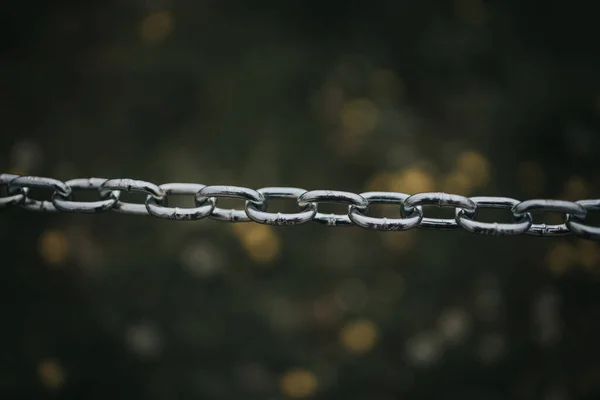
466 96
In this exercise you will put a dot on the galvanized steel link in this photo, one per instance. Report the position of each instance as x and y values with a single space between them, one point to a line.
441 200
576 225
306 214
65 204
386 224
133 185
546 205
333 196
255 208
22 184
235 192
157 208
13 199
467 221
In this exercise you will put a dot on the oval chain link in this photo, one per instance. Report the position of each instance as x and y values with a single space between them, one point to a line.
22 184
467 221
65 204
333 196
133 185
263 217
386 224
576 225
158 209
441 200
232 192
545 205
13 199
255 208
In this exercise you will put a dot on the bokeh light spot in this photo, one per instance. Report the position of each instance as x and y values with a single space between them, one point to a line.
386 85
51 374
471 12
560 258
457 182
399 242
298 383
475 166
588 254
54 247
156 26
532 178
359 336
259 241
576 188
359 117
412 180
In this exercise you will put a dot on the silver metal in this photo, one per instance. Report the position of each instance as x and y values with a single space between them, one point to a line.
577 226
333 196
235 192
158 209
133 185
263 217
13 199
23 183
441 200
557 206
467 222
255 207
65 204
385 224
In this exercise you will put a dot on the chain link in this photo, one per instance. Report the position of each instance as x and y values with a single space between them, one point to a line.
255 208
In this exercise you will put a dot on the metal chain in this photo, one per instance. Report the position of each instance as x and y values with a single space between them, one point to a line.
206 199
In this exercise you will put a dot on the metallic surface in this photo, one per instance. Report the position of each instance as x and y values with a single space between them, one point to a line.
255 209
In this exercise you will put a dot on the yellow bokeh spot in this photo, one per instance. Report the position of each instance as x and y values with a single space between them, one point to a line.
531 178
17 171
54 247
156 26
298 383
412 180
560 258
359 117
259 241
386 85
359 336
51 374
588 254
457 182
471 12
576 188
475 166
380 181
399 241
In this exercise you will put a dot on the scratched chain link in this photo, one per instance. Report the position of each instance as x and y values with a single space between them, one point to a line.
206 199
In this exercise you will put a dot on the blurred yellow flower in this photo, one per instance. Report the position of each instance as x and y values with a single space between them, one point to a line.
298 383
359 336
